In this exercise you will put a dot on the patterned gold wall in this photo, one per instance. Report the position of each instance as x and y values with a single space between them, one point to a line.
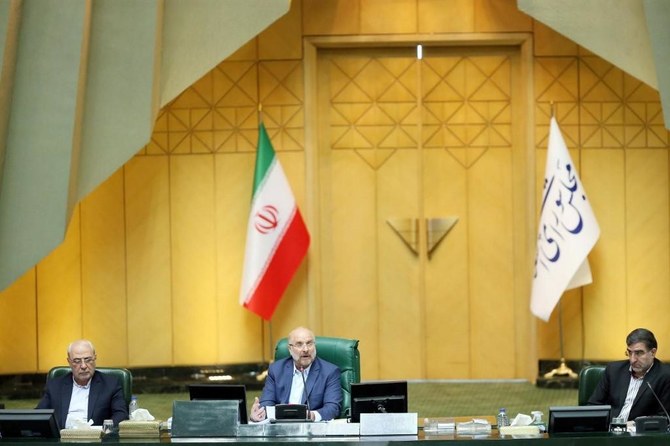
151 264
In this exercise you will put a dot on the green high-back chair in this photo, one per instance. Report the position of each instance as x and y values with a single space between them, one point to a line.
124 375
339 351
589 377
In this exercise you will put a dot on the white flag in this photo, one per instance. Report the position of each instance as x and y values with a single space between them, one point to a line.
567 231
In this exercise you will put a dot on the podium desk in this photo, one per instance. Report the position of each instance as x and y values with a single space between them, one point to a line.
397 440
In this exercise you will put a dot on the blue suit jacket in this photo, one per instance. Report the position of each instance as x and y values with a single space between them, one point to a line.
613 387
323 386
105 399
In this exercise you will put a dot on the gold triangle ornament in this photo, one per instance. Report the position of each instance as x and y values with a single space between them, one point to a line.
408 231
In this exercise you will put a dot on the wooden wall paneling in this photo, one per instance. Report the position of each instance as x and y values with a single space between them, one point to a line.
447 305
329 17
500 16
349 245
490 259
233 186
59 299
605 303
283 39
150 314
193 258
18 326
103 272
647 242
446 16
388 16
401 319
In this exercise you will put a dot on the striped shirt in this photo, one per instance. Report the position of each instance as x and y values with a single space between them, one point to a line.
633 387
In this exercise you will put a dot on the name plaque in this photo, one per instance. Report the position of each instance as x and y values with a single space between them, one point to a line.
334 429
389 424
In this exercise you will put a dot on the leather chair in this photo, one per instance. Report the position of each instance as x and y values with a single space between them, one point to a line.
124 375
589 377
341 352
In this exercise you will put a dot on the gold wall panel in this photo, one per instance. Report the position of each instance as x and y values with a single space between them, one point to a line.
604 301
193 279
647 240
59 304
18 326
159 247
149 287
103 273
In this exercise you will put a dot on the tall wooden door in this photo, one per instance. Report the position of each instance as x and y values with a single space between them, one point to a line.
405 144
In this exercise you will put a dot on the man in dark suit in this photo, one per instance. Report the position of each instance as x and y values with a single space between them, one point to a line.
301 378
83 394
625 384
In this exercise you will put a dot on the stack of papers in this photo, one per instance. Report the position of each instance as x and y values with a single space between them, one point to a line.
475 427
139 429
94 433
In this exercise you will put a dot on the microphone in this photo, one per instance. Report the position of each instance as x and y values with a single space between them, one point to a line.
304 386
658 400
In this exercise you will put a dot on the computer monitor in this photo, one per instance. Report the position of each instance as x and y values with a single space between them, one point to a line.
28 423
579 419
235 392
378 397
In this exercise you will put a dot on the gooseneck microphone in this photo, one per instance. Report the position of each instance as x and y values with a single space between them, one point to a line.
304 386
660 403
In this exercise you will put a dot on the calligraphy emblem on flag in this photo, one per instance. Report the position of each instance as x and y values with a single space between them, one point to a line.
567 231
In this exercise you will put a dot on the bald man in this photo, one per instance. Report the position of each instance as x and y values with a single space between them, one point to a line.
284 383
83 394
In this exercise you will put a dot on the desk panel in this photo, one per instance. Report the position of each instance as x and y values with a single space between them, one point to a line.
399 440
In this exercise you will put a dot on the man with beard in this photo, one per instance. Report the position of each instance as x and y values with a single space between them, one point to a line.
301 378
83 394
625 384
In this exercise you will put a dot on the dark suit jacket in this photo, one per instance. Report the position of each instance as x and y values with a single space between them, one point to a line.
613 387
105 399
323 386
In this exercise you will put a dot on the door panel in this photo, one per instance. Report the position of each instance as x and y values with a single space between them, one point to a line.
402 138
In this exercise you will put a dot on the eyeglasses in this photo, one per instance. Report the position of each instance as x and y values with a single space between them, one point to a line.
300 345
636 353
80 361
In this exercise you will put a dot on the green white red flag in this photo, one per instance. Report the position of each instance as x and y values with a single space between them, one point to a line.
277 238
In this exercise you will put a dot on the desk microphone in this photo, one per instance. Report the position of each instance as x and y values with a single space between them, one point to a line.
658 400
304 386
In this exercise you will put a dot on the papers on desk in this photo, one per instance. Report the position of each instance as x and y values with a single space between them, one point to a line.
476 426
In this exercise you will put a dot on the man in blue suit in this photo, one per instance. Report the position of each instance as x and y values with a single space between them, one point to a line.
83 394
302 378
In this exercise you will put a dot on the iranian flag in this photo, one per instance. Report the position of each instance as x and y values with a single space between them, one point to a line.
277 238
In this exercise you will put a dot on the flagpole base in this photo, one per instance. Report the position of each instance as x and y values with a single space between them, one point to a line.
561 370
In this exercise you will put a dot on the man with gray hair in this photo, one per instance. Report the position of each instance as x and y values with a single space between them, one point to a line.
82 394
302 378
629 385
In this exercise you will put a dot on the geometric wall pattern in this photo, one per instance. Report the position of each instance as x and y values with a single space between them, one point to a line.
464 101
219 113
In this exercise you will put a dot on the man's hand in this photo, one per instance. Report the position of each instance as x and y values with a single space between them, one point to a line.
257 411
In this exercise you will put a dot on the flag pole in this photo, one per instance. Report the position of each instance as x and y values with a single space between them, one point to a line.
562 369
